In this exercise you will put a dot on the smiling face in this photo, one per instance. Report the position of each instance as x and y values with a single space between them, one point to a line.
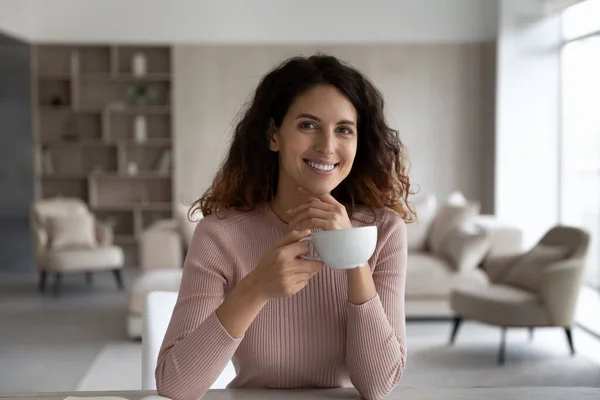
316 141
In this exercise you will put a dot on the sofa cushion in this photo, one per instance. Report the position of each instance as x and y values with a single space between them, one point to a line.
75 260
417 231
498 304
72 231
526 272
429 276
466 247
453 213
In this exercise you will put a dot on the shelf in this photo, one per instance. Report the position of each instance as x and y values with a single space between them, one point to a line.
78 143
123 175
54 77
141 110
133 207
158 142
164 109
106 175
64 176
151 77
85 123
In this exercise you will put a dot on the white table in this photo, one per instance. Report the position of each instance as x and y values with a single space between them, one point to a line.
401 393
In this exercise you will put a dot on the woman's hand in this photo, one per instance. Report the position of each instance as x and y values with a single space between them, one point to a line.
281 272
320 212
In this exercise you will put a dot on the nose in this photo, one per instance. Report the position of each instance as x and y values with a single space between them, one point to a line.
326 142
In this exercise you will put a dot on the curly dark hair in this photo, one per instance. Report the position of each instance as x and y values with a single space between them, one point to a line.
249 173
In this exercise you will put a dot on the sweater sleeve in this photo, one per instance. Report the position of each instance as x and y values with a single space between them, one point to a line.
376 330
196 347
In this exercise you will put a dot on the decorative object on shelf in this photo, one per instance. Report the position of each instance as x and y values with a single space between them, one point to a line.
71 130
140 130
164 163
139 64
132 168
142 94
74 63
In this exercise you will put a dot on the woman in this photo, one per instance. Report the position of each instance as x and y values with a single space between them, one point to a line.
312 151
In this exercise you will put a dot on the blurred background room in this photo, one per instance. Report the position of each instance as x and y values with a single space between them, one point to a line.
114 116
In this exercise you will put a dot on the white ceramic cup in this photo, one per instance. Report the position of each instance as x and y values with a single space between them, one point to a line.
344 248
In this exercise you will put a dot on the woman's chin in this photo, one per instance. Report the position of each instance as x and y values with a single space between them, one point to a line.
318 190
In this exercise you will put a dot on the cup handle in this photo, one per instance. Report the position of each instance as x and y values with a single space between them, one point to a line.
309 239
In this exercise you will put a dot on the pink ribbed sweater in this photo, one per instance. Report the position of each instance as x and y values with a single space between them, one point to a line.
315 338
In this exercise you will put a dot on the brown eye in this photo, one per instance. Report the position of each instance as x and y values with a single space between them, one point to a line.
345 130
307 125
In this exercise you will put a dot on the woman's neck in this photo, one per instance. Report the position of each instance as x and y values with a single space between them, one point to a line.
286 198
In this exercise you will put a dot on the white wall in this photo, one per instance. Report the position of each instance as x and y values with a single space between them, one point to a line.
527 136
263 21
433 92
16 18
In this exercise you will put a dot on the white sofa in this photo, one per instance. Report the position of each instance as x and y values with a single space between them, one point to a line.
447 245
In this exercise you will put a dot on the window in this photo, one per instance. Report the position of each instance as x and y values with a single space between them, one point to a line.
580 192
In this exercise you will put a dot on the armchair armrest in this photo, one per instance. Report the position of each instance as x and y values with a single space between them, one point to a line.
559 290
161 246
104 233
40 241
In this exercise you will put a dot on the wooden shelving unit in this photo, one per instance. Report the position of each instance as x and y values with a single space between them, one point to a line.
88 141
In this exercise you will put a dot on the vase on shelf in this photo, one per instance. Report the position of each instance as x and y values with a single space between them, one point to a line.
139 64
140 129
132 168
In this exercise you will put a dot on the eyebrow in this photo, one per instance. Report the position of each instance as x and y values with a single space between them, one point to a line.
342 122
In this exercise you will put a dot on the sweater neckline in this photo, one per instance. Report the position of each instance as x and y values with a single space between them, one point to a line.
278 222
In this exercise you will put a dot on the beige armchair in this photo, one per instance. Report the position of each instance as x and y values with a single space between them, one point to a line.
539 288
69 239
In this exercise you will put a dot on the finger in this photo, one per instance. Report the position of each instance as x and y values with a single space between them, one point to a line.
296 249
292 237
308 266
311 212
325 197
304 276
302 279
315 223
313 203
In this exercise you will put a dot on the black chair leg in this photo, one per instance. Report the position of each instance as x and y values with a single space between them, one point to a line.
457 323
88 278
118 279
570 339
530 333
43 278
502 349
56 287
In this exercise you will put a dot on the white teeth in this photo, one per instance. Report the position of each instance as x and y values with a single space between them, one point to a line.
321 167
